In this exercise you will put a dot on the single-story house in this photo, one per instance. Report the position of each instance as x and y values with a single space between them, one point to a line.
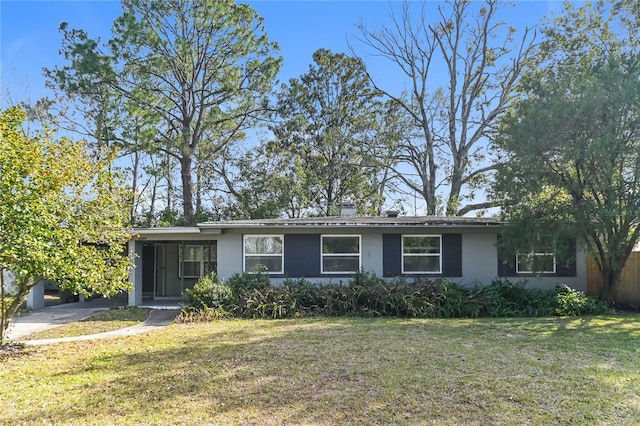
331 249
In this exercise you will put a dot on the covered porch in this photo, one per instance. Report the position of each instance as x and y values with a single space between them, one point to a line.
166 265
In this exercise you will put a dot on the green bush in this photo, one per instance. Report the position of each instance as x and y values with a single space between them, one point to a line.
503 298
209 292
305 296
570 302
202 314
294 298
250 295
249 281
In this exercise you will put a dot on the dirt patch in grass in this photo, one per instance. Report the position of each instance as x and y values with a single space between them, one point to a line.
578 371
110 320
13 350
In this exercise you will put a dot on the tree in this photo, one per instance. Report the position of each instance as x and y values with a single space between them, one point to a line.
198 72
263 185
573 141
62 217
332 132
453 119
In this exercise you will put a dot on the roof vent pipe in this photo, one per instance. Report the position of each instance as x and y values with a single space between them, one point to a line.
348 210
390 213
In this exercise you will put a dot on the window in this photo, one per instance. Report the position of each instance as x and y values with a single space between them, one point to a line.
340 254
536 262
264 251
421 254
195 261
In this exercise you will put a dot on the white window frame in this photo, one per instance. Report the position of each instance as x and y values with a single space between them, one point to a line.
323 254
280 255
439 254
202 262
536 253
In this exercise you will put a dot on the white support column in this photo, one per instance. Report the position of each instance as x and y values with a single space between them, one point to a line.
35 298
135 273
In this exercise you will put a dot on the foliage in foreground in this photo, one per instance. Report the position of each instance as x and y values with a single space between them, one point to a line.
251 295
571 142
62 217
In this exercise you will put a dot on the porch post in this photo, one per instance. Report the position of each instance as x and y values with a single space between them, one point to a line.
35 298
135 273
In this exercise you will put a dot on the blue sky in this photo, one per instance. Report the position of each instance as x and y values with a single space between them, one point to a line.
30 40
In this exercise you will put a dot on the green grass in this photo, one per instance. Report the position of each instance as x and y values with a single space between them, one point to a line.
110 320
560 371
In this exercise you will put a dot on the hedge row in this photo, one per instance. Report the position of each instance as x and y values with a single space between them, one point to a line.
251 295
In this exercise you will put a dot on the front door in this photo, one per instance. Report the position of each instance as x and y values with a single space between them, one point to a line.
178 266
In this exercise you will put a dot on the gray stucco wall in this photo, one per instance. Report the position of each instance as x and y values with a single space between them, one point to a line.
372 253
479 255
229 254
480 264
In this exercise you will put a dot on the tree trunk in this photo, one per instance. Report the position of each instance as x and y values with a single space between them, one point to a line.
454 194
152 203
134 187
3 303
187 188
610 281
9 311
429 195
169 184
198 186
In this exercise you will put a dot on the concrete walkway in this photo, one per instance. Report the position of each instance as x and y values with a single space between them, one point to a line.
54 316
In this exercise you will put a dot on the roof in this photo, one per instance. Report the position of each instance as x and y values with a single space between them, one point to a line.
216 227
355 221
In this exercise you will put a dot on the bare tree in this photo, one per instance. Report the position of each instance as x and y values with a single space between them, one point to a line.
460 71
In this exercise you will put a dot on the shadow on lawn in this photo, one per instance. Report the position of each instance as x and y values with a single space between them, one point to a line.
332 371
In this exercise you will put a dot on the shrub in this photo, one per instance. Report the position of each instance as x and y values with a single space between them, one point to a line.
365 278
251 295
306 296
503 298
209 292
248 281
295 298
570 302
202 314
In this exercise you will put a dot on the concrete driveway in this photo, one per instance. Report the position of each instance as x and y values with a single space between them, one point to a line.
54 316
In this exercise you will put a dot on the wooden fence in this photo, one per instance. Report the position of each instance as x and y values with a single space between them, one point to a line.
629 289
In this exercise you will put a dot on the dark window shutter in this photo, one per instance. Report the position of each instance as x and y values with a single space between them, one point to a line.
566 267
391 255
302 255
506 262
452 255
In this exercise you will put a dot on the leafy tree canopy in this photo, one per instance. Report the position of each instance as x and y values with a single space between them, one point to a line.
62 216
333 131
572 142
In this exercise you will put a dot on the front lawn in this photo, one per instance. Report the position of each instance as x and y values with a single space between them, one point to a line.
337 371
